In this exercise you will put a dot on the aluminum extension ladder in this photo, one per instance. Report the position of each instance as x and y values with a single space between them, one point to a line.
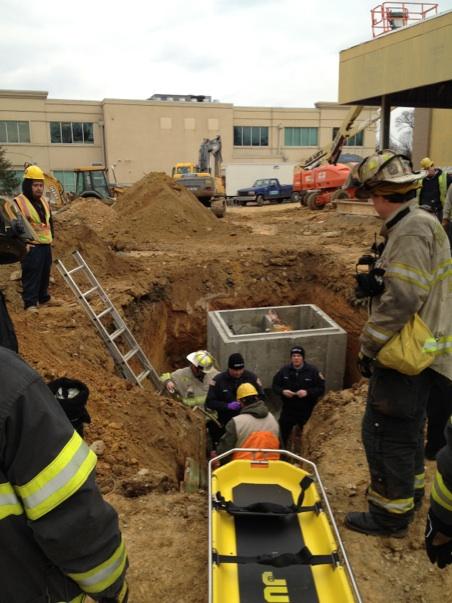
130 351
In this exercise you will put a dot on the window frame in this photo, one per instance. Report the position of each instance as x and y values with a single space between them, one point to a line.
66 132
18 123
252 133
297 132
350 142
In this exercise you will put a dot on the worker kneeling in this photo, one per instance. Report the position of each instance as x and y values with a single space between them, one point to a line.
253 427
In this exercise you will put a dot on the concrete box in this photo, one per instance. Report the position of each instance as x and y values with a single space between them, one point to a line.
265 351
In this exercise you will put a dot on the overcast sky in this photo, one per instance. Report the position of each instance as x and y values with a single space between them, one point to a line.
246 52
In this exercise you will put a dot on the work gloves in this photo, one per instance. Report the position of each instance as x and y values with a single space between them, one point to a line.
234 405
438 544
365 365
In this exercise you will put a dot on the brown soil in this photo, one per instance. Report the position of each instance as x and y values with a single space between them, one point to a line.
165 260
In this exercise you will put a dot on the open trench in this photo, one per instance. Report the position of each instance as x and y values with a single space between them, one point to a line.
171 317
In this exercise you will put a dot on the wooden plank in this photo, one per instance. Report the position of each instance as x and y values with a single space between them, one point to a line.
353 206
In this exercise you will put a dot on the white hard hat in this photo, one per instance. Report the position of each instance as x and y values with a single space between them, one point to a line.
202 359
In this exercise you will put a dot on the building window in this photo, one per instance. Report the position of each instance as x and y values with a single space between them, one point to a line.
14 131
250 136
354 141
67 179
301 137
71 132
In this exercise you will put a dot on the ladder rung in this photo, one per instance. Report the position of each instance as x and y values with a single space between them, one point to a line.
75 269
104 312
130 354
117 333
90 291
143 375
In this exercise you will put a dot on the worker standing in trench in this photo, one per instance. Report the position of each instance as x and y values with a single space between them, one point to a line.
411 294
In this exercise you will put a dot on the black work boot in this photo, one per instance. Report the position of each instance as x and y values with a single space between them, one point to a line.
366 524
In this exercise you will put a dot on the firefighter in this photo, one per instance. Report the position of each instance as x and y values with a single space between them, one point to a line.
438 531
300 386
37 262
412 277
60 539
192 382
253 427
222 393
433 189
447 214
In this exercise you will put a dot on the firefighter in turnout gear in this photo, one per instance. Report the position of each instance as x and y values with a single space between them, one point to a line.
416 288
192 382
59 539
254 427
37 263
438 531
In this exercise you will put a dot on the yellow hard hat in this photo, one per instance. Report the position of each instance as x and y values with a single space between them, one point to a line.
246 389
33 172
426 163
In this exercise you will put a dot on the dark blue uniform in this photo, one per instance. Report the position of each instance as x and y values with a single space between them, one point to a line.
296 411
224 390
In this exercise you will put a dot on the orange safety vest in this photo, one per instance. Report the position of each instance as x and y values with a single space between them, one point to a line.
259 439
42 230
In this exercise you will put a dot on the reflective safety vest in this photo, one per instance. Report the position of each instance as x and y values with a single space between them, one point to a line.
42 229
59 538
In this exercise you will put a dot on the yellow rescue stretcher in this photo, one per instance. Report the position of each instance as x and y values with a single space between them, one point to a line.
272 535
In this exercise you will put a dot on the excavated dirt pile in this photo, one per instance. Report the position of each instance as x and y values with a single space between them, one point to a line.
157 207
165 260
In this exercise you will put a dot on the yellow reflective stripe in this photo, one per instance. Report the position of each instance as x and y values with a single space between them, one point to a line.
406 277
443 271
407 269
397 505
419 481
377 334
441 493
104 575
165 377
9 503
441 345
194 400
59 480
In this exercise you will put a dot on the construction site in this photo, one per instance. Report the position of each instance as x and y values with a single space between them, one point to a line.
143 275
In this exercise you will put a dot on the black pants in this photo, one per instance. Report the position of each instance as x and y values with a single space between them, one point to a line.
393 438
439 409
288 419
36 267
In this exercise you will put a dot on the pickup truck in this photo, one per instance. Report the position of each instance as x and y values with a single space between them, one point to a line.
264 189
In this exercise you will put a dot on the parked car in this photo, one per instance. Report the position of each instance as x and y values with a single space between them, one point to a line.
264 189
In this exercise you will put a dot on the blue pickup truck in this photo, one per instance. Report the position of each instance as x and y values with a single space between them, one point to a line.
264 189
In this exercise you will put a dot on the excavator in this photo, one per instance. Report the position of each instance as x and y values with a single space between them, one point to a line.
320 179
203 180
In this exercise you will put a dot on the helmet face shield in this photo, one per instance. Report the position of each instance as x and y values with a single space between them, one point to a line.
202 360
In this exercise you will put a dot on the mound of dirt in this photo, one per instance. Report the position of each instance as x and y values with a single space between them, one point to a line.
157 207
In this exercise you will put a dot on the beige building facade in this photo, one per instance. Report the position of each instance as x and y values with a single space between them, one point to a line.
134 137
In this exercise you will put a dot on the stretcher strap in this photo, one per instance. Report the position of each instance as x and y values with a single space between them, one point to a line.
303 557
267 508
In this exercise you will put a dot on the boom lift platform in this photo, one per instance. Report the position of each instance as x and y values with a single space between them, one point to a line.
127 354
272 535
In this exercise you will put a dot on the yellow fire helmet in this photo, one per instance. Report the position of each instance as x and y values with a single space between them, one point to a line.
426 163
246 389
202 359
33 172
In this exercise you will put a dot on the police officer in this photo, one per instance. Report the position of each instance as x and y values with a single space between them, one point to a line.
222 393
300 386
